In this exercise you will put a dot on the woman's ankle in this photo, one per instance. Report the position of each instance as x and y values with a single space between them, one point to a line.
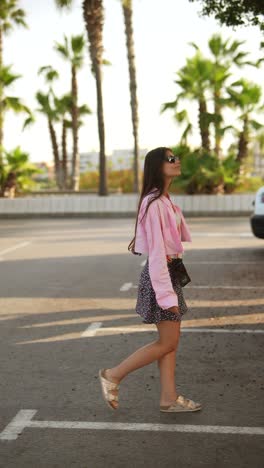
110 375
168 399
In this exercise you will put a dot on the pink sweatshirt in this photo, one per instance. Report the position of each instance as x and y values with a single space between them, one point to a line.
158 236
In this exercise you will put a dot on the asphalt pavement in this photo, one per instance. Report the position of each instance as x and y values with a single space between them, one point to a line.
68 290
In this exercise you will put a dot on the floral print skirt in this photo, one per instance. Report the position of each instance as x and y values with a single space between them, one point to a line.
147 306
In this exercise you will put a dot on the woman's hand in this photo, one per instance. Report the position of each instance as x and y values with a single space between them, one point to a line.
174 309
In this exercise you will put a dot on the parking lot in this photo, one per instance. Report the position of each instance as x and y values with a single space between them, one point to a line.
67 297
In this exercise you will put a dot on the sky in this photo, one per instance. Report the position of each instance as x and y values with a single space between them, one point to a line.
162 32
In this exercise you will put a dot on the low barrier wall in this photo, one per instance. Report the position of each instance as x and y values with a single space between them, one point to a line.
122 205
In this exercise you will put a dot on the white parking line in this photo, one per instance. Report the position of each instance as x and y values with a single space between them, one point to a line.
127 286
23 419
92 329
222 262
15 247
214 262
222 330
223 287
149 327
222 234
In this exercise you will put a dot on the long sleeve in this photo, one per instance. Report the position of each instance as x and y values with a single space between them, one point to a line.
158 269
184 230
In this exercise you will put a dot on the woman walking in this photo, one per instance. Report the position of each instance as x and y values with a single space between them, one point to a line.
159 231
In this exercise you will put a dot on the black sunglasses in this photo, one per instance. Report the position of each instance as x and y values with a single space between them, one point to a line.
171 159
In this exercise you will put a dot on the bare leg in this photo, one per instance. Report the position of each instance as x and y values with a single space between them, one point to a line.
166 365
168 339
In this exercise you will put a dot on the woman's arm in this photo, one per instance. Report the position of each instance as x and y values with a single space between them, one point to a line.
158 269
184 228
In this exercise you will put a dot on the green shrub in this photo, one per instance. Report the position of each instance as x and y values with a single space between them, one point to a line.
201 172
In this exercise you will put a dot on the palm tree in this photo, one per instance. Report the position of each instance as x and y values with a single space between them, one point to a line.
17 172
194 79
246 96
93 14
225 54
51 112
74 54
10 16
63 107
180 117
59 110
127 8
46 108
9 103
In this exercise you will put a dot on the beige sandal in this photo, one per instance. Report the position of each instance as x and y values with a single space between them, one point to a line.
107 385
181 404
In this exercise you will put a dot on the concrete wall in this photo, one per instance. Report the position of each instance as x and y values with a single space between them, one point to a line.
122 205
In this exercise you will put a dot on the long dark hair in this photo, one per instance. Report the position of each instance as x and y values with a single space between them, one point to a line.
152 178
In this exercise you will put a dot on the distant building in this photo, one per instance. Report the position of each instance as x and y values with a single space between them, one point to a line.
123 158
89 161
119 159
258 162
47 171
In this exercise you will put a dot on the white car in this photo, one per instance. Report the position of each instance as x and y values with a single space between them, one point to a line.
257 218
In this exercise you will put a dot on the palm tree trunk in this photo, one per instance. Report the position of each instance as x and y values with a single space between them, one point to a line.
1 100
203 125
93 13
243 144
75 153
127 12
10 185
55 150
101 131
64 154
217 112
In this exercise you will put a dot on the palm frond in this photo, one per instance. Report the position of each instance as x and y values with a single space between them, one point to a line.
64 4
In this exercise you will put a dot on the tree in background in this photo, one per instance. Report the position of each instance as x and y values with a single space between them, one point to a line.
206 81
203 80
17 172
10 17
73 52
245 96
93 14
225 54
9 103
235 12
48 108
194 80
63 106
59 110
128 13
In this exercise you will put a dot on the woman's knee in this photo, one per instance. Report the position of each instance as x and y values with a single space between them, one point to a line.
168 335
168 347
